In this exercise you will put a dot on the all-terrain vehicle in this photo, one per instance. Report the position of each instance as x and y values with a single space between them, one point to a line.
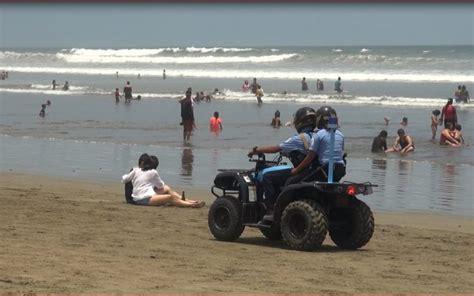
303 213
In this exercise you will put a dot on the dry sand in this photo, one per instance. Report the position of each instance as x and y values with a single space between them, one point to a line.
59 235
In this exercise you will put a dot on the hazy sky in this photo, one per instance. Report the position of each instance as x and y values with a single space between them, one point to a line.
158 25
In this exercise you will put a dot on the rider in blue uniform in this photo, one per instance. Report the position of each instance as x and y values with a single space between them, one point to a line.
320 148
295 148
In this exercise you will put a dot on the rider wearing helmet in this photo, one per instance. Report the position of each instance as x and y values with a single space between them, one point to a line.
320 146
295 148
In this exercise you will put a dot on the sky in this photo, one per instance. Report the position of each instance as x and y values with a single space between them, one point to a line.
162 25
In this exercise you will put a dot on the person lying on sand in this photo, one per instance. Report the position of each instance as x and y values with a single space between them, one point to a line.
150 190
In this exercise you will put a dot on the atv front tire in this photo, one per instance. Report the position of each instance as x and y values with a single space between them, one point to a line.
304 225
225 218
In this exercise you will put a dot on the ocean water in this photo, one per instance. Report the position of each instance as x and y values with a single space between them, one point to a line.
86 135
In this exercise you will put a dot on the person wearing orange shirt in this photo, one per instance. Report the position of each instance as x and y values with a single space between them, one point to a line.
215 123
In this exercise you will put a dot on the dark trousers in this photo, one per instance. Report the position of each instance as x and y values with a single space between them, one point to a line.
272 183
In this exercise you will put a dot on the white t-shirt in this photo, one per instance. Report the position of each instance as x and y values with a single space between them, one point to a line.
143 182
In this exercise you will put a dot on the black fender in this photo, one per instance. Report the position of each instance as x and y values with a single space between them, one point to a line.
232 181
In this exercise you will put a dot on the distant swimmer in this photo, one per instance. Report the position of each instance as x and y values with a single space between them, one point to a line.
259 94
276 121
42 112
304 84
48 102
457 94
138 76
66 86
464 95
387 120
254 86
164 74
127 92
319 85
245 86
54 84
404 121
338 85
116 74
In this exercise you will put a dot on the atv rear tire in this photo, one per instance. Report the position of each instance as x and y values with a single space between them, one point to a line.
225 218
304 225
351 228
272 233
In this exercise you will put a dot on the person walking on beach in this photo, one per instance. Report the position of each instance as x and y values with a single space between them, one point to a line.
150 190
403 143
254 86
215 123
304 84
434 122
187 115
338 85
448 114
379 143
259 95
127 92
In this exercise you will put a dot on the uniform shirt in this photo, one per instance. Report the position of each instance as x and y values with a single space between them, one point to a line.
320 143
295 143
143 182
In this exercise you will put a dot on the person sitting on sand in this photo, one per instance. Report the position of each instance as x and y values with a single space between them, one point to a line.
434 122
447 136
379 143
403 143
150 190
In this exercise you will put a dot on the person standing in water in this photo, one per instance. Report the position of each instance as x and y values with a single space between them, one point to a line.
254 86
66 86
187 115
54 85
319 85
448 114
164 74
127 92
259 94
117 95
215 123
245 86
434 122
338 85
42 112
304 84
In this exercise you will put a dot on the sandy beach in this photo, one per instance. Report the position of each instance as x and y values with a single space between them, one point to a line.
67 236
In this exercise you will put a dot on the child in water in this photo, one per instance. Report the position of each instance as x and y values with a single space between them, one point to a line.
42 113
259 94
434 122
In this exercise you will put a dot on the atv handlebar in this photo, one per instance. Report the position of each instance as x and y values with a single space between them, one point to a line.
261 158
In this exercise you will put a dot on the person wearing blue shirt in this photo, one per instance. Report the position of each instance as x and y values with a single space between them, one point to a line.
295 148
320 147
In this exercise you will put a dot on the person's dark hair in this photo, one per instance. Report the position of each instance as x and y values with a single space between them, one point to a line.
383 134
463 87
154 161
450 101
458 127
144 158
436 112
404 119
448 125
459 87
216 114
128 82
305 117
401 132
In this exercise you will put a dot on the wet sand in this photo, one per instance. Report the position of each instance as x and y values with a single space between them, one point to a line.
67 235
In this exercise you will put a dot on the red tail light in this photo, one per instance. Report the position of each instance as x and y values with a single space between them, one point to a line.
351 190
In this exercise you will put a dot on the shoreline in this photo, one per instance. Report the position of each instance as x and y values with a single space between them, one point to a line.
63 235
